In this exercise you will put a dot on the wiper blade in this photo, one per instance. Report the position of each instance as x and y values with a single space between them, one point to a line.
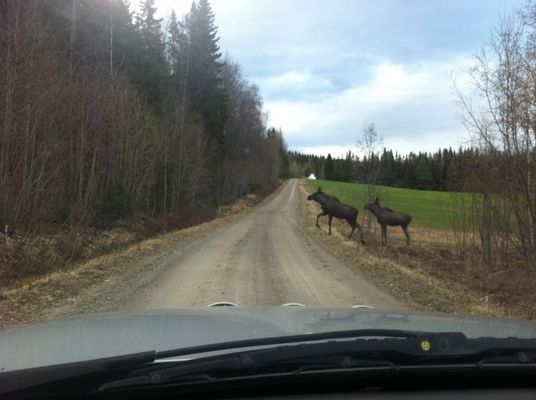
15 380
240 365
378 348
161 373
193 370
392 333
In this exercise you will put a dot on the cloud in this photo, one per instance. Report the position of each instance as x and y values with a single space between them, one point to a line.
293 84
326 71
408 103
289 78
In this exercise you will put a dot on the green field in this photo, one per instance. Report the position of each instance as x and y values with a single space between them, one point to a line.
429 209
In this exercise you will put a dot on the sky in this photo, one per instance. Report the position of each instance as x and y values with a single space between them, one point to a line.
326 69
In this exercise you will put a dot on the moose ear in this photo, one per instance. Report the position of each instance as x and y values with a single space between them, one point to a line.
377 200
319 189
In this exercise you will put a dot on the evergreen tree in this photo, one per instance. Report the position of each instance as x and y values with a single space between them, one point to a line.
125 43
423 175
347 170
178 54
329 168
204 83
154 68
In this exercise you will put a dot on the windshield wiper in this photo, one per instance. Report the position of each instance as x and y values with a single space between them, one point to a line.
349 334
378 348
197 369
240 365
363 349
19 379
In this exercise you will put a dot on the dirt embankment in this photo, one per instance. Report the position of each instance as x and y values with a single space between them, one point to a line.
428 275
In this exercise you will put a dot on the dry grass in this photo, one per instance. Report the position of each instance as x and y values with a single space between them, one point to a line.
429 275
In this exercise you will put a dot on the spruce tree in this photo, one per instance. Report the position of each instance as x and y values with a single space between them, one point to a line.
329 168
204 83
154 67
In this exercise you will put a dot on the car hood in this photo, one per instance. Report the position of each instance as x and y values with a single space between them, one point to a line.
106 335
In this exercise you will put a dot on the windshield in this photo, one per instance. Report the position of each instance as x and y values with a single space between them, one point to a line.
298 166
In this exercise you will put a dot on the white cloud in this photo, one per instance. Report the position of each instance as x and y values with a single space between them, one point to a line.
286 79
409 104
393 84
297 82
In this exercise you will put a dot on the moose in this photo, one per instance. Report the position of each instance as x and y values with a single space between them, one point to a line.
386 216
333 207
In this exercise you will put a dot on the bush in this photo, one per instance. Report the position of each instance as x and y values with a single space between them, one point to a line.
116 202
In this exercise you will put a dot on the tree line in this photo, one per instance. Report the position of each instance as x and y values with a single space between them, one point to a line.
443 170
105 112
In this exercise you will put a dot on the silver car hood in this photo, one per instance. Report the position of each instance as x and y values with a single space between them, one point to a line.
106 335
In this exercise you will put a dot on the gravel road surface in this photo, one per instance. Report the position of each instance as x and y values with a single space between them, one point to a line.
263 258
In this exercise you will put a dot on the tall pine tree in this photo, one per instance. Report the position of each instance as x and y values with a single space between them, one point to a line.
205 84
329 168
154 67
178 55
124 41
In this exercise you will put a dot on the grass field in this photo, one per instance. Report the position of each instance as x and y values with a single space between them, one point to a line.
429 209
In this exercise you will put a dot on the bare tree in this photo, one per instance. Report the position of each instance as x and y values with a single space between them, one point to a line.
369 145
503 127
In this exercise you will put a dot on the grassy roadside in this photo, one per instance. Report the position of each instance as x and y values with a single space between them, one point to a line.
426 276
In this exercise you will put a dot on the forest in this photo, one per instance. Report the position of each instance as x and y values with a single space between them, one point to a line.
443 170
107 111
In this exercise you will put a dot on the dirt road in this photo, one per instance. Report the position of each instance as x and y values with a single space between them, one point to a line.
264 258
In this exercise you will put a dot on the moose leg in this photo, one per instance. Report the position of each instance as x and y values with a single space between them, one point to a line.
330 219
318 216
384 234
406 232
360 231
352 232
352 224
